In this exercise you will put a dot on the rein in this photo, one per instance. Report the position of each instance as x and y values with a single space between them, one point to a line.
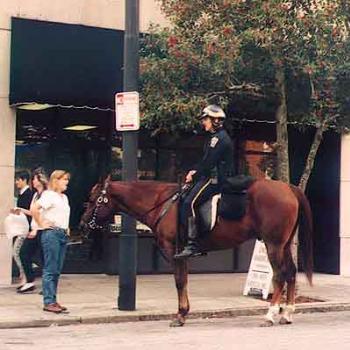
172 198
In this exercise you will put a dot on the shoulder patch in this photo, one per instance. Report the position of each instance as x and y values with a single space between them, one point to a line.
214 141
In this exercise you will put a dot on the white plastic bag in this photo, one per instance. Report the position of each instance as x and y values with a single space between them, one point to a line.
16 225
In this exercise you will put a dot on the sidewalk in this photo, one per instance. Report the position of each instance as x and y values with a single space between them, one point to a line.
93 299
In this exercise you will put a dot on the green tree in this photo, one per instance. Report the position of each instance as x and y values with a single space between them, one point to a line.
219 50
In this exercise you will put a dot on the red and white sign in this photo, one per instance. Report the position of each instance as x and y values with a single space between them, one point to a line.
127 111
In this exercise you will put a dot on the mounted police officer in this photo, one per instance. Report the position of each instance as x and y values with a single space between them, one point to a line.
208 176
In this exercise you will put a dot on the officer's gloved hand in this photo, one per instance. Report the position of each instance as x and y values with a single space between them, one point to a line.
189 176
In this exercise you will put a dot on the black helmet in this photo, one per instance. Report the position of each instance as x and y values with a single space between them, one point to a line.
212 111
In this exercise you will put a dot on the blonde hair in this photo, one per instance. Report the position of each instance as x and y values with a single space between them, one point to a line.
55 176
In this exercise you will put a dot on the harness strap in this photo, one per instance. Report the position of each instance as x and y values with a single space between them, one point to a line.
167 207
169 202
159 204
171 199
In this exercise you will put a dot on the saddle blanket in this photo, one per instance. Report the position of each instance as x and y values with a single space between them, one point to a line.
232 207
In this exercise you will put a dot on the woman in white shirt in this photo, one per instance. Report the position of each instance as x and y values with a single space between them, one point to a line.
51 213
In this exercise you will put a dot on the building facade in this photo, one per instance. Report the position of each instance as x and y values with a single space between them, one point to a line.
46 51
107 14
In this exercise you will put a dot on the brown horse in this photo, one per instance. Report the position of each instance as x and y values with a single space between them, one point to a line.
273 212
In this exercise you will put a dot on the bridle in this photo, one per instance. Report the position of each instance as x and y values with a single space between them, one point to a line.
101 199
166 204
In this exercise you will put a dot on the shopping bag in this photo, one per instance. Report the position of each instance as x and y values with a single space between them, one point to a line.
16 225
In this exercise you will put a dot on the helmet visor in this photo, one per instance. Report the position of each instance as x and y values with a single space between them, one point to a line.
203 115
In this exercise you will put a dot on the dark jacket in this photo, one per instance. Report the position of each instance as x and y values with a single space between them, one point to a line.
24 201
218 158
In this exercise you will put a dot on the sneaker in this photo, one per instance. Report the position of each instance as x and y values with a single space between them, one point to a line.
28 287
19 287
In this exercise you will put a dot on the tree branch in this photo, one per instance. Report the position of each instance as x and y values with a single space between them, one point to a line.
312 155
244 88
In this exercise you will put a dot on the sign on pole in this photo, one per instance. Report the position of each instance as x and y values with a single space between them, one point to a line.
127 111
260 272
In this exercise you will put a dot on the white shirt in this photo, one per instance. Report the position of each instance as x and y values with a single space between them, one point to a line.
55 208
34 225
23 189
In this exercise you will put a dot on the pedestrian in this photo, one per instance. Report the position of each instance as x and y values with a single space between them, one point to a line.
31 244
208 177
24 199
51 212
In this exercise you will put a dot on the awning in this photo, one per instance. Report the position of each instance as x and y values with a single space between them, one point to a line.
64 64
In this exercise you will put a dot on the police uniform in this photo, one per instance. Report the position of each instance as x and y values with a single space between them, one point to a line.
211 173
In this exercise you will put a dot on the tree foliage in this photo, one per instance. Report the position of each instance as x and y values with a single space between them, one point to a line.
218 50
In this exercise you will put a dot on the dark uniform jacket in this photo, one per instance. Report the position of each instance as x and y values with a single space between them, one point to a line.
24 201
218 158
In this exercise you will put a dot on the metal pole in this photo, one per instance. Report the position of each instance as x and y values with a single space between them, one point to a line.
128 236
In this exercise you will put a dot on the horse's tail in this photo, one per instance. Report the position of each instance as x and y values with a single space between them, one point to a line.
305 232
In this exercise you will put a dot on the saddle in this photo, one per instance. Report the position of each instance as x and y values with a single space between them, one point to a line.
230 204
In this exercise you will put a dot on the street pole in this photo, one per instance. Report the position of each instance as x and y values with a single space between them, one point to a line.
128 236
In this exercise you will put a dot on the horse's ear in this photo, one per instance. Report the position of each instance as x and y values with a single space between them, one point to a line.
103 178
106 182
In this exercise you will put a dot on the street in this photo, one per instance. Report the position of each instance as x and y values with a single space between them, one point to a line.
310 331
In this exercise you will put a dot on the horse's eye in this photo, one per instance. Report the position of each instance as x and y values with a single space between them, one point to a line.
99 200
105 200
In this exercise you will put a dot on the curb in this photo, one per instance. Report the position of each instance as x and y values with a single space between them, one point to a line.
226 313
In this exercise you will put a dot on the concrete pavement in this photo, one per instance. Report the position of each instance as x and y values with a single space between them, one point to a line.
309 331
93 299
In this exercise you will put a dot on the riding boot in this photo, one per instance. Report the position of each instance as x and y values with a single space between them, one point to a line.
192 248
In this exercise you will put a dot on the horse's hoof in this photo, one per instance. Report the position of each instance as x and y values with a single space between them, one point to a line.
284 321
266 323
177 323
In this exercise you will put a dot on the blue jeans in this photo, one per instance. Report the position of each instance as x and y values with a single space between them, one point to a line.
54 244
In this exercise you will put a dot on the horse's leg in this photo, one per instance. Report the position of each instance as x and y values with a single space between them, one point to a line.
288 310
181 279
275 254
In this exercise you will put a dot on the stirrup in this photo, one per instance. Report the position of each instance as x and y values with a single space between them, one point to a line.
189 253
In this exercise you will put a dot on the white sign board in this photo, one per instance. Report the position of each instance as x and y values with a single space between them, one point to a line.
127 111
260 272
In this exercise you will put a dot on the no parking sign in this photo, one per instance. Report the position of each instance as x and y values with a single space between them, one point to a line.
127 111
